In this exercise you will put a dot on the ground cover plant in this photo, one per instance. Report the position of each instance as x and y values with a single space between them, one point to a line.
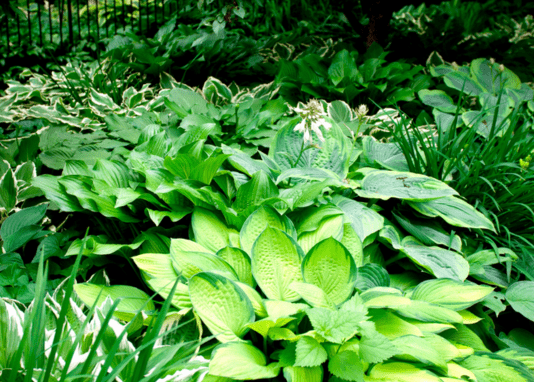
297 229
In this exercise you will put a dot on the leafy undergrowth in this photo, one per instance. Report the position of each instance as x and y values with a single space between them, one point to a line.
297 229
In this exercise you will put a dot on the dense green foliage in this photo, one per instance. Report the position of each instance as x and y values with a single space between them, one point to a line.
266 201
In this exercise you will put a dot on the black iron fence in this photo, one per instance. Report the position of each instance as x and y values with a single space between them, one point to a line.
66 22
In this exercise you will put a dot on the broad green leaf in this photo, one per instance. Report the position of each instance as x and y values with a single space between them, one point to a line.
132 299
438 261
454 211
381 297
276 261
437 99
364 220
18 228
188 264
352 242
263 217
330 266
222 306
205 171
491 77
312 294
429 232
157 265
370 276
451 294
255 299
97 245
309 353
402 372
387 155
382 184
181 165
416 349
446 351
303 374
239 260
265 325
494 367
114 174
255 191
241 361
463 336
520 295
8 191
209 230
426 312
181 298
347 366
342 67
392 326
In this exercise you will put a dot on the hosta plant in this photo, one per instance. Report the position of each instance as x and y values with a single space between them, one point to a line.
290 301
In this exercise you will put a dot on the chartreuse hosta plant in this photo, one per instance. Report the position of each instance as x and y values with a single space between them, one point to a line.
294 301
56 339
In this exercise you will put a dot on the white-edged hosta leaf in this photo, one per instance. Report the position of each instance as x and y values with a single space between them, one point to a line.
276 261
11 331
132 299
222 306
451 294
330 266
241 361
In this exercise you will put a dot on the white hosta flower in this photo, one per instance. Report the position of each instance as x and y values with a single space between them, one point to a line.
312 119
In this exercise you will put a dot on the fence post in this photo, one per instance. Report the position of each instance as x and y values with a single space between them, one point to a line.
29 21
106 16
115 14
69 15
79 23
40 24
7 35
97 24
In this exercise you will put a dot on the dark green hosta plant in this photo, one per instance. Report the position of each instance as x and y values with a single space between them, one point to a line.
340 76
282 312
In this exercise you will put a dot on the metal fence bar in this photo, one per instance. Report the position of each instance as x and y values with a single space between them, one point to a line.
106 16
58 16
29 21
40 24
69 15
79 23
